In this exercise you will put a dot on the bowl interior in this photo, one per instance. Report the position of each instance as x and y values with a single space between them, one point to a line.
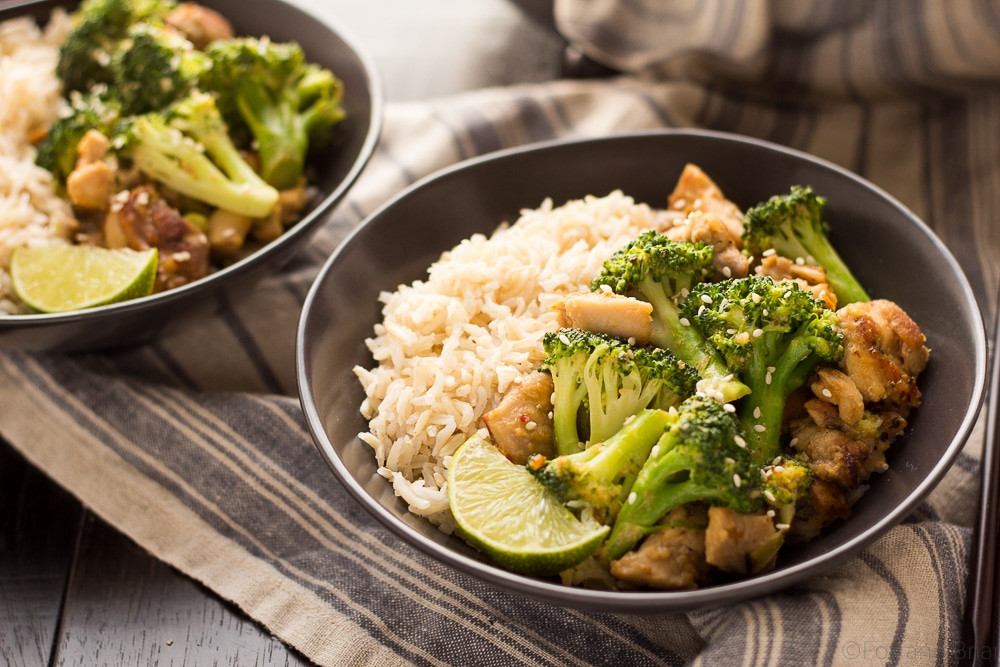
332 170
435 214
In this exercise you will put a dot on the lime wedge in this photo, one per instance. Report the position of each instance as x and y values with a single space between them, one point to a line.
60 278
507 514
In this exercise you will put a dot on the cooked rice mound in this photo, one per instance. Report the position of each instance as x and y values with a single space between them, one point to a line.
31 212
450 345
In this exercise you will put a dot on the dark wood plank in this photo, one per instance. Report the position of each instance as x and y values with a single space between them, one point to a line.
124 607
39 524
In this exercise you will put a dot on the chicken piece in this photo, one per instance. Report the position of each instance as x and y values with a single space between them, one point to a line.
845 454
884 352
521 425
199 24
142 219
806 276
226 231
732 540
834 386
93 147
671 558
695 191
709 228
826 503
91 186
607 313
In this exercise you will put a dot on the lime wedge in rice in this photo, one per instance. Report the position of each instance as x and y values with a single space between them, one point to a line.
61 278
506 513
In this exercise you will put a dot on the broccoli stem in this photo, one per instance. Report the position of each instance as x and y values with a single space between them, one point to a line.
841 280
762 412
688 343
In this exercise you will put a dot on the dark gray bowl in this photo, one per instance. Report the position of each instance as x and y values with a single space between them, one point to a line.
399 241
335 172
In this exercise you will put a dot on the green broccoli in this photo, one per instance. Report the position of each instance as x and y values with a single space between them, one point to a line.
793 226
785 481
700 458
269 90
602 474
773 335
155 67
662 272
57 151
600 381
98 26
188 149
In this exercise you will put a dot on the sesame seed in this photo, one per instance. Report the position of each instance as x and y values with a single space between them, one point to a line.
731 332
737 481
727 272
770 496
771 369
654 451
760 428
794 442
782 526
530 426
767 378
757 333
770 513
755 297
756 412
631 498
706 298
826 393
701 309
564 339
729 407
800 261
680 203
740 442
776 461
685 322
768 252
730 460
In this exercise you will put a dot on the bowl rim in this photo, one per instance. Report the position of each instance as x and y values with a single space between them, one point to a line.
231 272
637 601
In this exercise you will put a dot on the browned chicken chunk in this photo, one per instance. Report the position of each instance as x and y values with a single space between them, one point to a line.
826 503
671 558
199 24
834 386
884 352
708 228
806 276
521 425
732 540
608 313
695 191
144 220
845 454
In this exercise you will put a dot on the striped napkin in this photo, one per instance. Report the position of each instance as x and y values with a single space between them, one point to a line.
194 444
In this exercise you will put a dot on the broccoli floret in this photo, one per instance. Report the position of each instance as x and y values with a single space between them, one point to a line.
57 151
602 474
773 335
700 458
189 150
661 271
785 481
600 381
286 104
98 26
793 226
155 67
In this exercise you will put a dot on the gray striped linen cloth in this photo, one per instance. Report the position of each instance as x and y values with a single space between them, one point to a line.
195 447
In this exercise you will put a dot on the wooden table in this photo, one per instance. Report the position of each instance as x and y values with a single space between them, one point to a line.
75 591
